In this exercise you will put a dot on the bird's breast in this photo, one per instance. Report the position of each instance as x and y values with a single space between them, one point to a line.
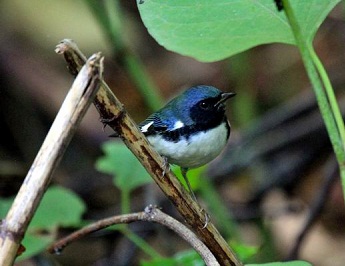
197 150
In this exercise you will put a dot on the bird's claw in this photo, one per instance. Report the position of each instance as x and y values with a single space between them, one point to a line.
165 166
207 218
106 121
110 120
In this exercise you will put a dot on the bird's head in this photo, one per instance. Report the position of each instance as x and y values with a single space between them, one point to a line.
201 104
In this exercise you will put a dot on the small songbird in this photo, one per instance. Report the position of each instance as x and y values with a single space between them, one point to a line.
192 129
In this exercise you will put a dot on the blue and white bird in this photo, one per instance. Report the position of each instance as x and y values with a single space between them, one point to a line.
192 129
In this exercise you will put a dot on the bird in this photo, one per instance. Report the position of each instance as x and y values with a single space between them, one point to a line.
190 130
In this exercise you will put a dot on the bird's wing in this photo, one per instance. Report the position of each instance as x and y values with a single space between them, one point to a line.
152 125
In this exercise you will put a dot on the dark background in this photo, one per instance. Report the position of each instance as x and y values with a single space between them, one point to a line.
277 169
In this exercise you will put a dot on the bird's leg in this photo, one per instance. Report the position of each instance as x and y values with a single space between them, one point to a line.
184 174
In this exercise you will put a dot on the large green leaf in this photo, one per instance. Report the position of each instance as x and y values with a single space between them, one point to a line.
185 258
289 263
212 30
118 161
59 207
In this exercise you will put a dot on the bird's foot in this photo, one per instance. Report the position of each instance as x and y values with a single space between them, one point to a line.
207 218
107 121
165 166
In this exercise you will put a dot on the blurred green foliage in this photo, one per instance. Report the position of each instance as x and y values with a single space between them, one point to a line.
60 207
118 161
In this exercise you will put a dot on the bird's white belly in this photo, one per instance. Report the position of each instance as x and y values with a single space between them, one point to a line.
198 150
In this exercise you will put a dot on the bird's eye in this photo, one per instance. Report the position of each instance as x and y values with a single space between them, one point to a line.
204 105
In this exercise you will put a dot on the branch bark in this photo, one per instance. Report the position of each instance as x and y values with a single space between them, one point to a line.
115 116
79 98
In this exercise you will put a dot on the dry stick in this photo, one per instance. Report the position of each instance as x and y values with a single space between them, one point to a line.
114 115
150 214
74 107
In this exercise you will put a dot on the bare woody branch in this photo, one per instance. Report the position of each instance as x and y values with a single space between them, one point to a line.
114 115
150 214
79 98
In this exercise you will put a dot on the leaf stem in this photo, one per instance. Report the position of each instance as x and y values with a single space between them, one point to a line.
140 243
227 224
330 93
125 201
322 87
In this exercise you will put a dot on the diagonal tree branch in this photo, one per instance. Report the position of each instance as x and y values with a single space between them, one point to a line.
115 116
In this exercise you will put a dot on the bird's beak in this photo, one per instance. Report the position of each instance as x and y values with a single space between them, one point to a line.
224 96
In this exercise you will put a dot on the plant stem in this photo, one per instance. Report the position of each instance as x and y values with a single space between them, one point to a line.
322 87
330 93
110 18
125 201
227 224
113 24
246 106
140 242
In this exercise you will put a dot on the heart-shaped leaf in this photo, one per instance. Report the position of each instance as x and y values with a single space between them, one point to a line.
213 30
118 161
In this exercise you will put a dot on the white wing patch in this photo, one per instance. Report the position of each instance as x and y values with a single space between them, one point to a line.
146 127
178 124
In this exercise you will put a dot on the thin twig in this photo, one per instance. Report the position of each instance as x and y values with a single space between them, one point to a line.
324 93
74 107
330 172
150 214
114 115
111 16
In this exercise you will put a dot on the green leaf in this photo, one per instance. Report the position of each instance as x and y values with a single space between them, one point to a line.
185 258
35 242
5 205
159 262
118 161
244 252
213 30
59 207
189 257
289 263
